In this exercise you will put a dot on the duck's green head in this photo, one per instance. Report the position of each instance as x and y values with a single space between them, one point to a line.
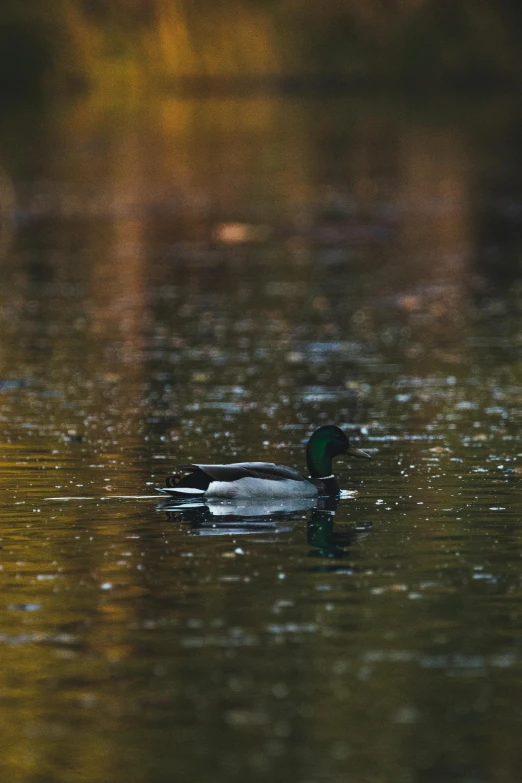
326 443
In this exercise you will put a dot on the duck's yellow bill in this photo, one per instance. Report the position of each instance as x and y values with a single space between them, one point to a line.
353 452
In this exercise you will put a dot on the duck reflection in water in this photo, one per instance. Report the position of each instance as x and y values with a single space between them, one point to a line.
326 540
214 518
207 518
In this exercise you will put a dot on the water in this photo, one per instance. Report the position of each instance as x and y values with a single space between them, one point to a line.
209 281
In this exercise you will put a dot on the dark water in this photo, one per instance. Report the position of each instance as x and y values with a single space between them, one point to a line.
210 281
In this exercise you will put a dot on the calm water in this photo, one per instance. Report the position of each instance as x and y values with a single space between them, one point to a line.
200 281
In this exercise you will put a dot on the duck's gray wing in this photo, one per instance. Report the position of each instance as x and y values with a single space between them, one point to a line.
271 470
219 472
238 470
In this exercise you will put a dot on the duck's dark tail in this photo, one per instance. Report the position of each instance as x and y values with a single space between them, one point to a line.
195 483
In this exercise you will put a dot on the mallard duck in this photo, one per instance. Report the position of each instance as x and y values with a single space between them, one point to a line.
267 479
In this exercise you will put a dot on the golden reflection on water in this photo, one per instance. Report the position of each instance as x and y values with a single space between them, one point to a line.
208 280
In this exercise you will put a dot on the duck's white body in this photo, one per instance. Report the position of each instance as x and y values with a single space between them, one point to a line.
250 488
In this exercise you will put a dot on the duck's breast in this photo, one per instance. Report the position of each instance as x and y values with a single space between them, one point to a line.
261 488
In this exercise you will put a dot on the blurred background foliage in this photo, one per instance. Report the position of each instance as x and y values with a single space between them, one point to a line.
152 44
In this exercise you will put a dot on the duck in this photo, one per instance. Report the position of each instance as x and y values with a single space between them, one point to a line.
252 480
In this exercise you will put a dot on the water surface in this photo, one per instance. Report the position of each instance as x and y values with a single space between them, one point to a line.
210 281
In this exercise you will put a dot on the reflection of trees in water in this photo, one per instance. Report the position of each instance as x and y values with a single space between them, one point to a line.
498 211
7 209
203 196
165 305
360 220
